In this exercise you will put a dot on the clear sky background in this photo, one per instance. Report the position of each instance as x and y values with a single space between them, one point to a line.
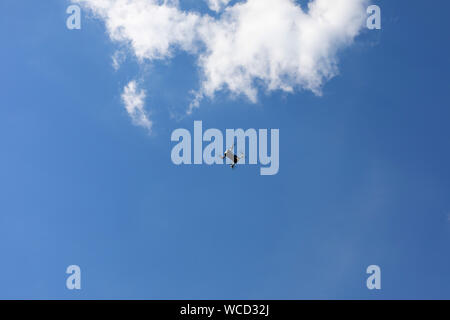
364 171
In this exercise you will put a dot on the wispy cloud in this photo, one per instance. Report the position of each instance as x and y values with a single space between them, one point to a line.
251 45
217 5
134 100
117 59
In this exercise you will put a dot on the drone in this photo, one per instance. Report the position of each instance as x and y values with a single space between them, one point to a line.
230 155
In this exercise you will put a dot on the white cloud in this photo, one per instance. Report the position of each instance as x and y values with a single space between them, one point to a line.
134 99
151 27
253 44
117 59
276 42
217 5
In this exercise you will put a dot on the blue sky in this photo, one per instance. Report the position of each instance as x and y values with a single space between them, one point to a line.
364 170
